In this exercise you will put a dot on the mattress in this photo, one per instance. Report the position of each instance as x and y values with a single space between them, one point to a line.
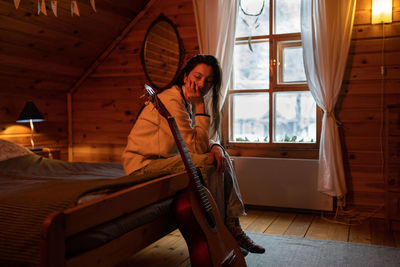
31 187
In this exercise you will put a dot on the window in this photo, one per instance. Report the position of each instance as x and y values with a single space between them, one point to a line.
269 104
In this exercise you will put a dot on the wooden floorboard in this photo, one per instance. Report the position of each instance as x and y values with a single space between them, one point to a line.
280 224
300 225
323 229
261 221
172 251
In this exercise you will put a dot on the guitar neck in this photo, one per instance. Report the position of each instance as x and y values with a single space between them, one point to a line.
190 168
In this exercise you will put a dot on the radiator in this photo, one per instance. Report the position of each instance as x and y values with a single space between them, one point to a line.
287 183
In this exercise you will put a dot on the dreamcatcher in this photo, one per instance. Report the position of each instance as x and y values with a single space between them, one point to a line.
250 11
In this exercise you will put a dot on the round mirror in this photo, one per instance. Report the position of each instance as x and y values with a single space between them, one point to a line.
161 53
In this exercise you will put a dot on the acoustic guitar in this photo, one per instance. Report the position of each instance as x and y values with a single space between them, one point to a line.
209 241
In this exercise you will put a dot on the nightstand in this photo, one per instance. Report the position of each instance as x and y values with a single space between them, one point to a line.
48 153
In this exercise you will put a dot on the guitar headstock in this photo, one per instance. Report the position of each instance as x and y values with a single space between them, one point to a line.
153 98
149 90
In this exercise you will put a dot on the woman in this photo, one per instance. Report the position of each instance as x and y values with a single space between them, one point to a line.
151 146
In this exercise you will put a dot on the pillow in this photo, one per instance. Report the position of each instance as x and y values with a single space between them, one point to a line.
10 150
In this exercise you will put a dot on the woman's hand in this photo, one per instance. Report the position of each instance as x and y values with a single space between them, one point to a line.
193 93
217 154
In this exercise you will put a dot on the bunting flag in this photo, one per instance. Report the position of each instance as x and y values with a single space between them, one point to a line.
54 7
16 3
92 3
42 7
74 8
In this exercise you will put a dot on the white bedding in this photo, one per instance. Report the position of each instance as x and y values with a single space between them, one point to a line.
10 150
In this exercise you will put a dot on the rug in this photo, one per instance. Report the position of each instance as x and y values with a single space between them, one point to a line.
294 251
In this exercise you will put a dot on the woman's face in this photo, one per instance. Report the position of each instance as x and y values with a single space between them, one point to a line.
202 76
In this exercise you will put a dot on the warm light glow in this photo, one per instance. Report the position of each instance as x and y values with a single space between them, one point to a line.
381 11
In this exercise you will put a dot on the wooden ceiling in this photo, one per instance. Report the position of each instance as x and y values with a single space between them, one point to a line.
39 52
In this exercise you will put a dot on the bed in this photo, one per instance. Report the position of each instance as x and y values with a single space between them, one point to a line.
57 213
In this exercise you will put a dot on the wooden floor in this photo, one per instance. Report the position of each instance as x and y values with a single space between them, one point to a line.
172 251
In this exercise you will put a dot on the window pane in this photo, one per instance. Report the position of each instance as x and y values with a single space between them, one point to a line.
251 67
295 117
287 14
250 117
248 22
292 65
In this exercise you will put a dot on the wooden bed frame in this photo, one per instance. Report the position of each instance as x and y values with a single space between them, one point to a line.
60 225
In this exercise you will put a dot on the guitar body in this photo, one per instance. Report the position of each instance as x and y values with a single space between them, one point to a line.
208 246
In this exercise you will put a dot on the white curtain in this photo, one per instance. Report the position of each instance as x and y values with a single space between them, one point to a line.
326 28
215 21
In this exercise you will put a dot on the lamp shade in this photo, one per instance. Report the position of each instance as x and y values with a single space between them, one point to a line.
30 112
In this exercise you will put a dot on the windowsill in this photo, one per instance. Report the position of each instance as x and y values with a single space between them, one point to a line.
252 150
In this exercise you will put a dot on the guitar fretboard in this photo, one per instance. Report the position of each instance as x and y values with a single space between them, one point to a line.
190 168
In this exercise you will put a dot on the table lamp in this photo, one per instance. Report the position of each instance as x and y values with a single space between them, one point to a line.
31 114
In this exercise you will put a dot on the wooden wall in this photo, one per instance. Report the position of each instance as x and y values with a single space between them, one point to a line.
361 105
106 104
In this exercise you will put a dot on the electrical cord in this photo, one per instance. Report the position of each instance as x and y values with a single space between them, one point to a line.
350 217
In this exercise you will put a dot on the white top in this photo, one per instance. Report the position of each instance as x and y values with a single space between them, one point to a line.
151 137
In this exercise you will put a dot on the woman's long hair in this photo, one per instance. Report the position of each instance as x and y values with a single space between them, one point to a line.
217 77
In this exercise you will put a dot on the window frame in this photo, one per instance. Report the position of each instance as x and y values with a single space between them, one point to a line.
270 149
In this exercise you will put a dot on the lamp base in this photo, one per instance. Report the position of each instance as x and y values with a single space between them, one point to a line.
35 149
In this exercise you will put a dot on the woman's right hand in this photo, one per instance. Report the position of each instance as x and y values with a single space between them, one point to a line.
194 95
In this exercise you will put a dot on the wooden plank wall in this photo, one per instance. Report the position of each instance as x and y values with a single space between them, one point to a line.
107 102
361 105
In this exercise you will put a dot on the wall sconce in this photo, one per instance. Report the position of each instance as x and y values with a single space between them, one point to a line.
381 11
31 114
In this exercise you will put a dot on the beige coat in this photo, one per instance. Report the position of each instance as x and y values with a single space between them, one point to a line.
151 137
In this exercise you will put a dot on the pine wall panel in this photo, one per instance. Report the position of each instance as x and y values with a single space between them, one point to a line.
105 105
362 102
108 101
